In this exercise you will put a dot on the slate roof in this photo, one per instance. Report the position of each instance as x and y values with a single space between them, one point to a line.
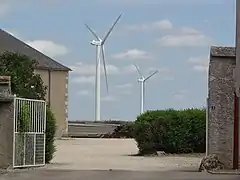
221 51
12 44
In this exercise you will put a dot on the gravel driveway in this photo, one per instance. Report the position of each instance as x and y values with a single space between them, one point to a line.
107 159
105 154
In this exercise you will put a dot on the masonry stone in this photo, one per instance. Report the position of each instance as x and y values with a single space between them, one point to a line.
6 123
221 88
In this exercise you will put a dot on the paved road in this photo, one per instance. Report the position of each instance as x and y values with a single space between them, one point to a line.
110 175
108 159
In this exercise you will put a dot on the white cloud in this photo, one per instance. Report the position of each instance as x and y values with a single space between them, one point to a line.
81 68
157 25
128 69
206 21
200 68
185 37
109 98
125 88
48 47
180 95
162 25
185 40
161 70
200 64
177 36
165 73
83 93
4 7
90 69
84 79
132 54
189 30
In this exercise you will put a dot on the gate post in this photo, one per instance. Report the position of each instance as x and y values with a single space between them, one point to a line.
6 123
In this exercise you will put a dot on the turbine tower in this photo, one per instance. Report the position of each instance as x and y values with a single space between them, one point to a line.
142 81
99 43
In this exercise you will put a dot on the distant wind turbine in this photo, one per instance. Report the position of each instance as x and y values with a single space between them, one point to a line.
99 43
142 81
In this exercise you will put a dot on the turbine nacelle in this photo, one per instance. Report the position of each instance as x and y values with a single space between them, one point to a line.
96 43
100 43
141 80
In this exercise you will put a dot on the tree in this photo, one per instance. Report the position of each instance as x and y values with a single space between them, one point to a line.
26 84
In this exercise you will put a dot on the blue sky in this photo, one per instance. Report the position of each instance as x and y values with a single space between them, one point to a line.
172 36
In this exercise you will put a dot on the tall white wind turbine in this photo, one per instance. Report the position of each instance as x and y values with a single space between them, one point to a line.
99 43
142 81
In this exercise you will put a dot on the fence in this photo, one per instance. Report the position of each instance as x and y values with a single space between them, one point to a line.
29 132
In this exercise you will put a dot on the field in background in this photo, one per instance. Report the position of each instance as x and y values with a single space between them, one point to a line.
99 122
91 129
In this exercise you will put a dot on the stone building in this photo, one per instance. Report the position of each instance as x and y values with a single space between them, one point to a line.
54 76
223 122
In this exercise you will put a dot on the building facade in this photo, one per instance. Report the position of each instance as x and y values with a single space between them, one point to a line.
54 76
57 96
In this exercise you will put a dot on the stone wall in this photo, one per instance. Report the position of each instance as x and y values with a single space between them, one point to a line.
6 123
221 108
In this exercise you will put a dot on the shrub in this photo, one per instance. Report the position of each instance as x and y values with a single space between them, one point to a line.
124 130
172 131
50 134
27 84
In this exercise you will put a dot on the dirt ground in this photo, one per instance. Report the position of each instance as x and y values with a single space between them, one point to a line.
105 154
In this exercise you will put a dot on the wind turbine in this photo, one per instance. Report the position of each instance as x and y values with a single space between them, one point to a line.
99 43
142 80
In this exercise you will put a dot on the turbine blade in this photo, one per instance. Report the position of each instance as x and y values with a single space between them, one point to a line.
104 65
110 30
94 34
155 72
138 70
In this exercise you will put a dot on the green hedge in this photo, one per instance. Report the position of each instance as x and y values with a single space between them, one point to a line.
171 131
124 130
50 135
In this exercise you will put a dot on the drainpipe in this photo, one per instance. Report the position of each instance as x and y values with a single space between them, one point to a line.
49 88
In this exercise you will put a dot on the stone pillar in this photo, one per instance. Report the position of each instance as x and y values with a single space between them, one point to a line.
237 72
221 109
6 123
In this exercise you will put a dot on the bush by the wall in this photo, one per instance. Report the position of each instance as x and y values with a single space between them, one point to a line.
27 84
171 131
50 135
124 130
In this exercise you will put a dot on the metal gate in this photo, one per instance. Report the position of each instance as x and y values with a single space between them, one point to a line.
29 132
